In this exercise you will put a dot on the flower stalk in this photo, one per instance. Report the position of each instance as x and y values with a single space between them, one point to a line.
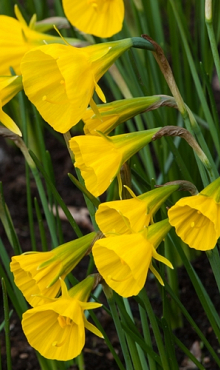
186 135
211 35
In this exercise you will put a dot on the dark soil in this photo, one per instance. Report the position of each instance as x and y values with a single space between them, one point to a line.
96 354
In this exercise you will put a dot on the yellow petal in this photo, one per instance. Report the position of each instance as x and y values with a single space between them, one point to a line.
131 215
123 261
32 282
120 217
60 79
89 305
9 87
92 328
98 161
57 329
9 123
195 220
116 112
101 18
156 274
63 99
54 341
100 93
162 259
94 107
15 40
37 274
100 158
93 123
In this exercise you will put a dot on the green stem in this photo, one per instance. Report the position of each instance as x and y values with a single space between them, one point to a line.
204 298
21 145
58 197
169 343
135 350
41 227
192 126
107 341
45 206
173 311
134 353
188 353
199 88
120 332
7 328
30 209
211 35
80 362
186 114
214 260
192 323
147 337
143 296
5 217
141 43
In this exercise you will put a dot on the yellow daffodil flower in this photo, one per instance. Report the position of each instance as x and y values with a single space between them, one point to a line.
113 114
60 79
100 157
16 38
57 329
123 261
131 215
37 274
196 218
9 87
101 18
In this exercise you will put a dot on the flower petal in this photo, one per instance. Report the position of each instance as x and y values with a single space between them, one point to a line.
98 161
44 333
101 18
195 221
123 261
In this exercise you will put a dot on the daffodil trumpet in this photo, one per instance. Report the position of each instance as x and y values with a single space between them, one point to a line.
100 158
196 218
56 329
124 260
113 114
131 215
37 274
60 80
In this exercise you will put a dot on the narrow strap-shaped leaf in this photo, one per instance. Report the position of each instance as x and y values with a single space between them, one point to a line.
41 227
108 342
8 224
57 197
7 328
83 189
200 291
193 324
153 320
